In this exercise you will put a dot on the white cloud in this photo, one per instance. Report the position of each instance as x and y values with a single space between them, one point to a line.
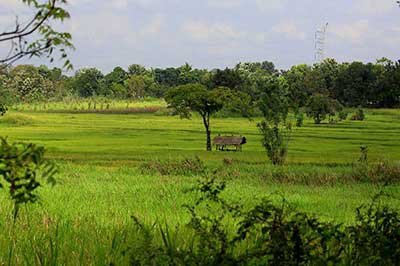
11 4
375 7
290 30
271 5
353 32
105 28
224 3
154 27
202 31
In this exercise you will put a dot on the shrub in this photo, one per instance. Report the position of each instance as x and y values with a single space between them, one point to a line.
21 168
3 109
343 115
374 239
320 106
299 119
267 234
384 172
275 141
358 115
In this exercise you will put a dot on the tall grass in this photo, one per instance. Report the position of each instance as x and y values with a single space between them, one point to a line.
93 105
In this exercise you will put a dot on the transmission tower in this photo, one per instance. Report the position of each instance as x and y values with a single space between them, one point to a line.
320 39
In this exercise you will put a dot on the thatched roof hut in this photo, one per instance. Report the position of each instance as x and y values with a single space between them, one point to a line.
221 142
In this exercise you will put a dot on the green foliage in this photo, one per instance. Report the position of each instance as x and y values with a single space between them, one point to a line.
113 82
87 82
22 166
28 84
298 79
374 237
274 104
275 140
343 115
320 106
3 109
229 78
269 234
358 115
299 119
138 86
273 101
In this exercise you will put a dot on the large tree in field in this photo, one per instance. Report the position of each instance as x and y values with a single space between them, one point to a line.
189 98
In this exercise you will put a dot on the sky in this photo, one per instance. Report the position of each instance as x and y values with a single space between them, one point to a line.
220 33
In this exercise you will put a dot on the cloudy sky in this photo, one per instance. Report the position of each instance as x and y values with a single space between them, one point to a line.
219 33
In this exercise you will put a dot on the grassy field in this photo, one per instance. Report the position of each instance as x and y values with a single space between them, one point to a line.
103 179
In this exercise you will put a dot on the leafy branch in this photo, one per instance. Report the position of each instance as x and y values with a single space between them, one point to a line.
37 38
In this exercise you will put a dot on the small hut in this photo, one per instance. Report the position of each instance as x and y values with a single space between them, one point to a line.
222 143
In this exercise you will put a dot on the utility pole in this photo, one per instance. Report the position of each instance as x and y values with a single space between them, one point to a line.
320 39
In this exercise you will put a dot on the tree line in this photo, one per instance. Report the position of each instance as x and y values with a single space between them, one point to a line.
350 84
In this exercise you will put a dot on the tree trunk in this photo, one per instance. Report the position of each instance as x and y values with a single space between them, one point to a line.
206 121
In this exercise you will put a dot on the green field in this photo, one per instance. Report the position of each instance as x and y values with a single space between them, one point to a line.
103 180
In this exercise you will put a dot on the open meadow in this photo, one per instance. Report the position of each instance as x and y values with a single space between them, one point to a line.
115 166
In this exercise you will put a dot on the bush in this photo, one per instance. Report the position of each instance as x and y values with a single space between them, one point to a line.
3 109
343 115
320 106
22 166
374 239
384 172
358 116
267 234
299 120
275 141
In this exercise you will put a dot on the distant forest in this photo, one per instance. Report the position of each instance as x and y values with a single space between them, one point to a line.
353 84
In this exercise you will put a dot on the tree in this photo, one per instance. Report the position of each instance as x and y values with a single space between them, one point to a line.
135 87
113 81
269 67
229 78
273 98
36 36
356 84
299 90
5 93
320 106
168 77
387 89
28 85
274 104
189 98
87 82
189 75
136 69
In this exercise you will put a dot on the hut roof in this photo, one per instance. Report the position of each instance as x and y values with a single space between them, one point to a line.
229 140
